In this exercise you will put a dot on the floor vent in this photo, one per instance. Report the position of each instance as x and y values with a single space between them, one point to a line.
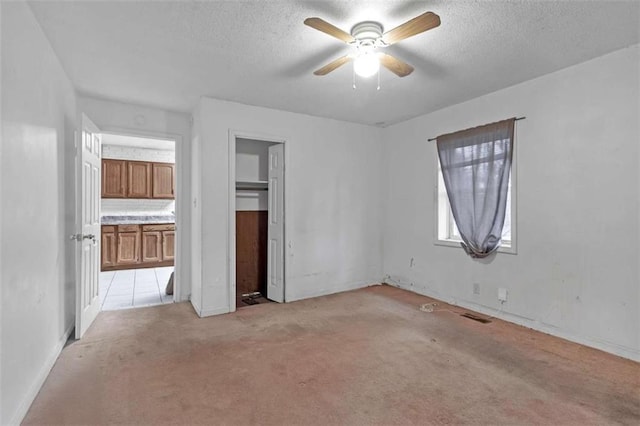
475 318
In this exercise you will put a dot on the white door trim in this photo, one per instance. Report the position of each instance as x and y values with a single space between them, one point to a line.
182 237
231 214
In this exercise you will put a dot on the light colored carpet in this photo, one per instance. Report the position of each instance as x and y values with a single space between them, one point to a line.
362 357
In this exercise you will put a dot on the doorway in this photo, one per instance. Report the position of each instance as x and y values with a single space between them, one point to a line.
256 220
137 217
126 244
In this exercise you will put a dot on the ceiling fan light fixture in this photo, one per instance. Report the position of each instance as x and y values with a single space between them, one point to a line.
366 64
366 37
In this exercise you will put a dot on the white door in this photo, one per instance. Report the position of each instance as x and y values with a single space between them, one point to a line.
88 236
275 255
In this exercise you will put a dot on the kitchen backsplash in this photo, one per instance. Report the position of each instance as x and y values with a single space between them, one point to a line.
117 152
133 207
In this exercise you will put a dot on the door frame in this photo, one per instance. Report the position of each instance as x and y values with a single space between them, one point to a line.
231 216
181 211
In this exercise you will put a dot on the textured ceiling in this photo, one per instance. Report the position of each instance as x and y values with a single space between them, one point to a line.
169 54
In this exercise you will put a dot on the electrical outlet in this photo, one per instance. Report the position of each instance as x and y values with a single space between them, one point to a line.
476 288
502 294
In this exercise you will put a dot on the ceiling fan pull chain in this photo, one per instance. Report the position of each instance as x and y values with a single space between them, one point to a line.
378 80
354 78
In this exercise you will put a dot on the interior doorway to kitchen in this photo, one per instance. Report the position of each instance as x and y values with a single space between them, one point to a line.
137 218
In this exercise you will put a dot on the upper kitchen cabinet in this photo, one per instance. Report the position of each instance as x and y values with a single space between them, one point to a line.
139 182
163 178
114 179
137 179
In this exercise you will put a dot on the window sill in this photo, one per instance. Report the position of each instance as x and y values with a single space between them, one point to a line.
455 243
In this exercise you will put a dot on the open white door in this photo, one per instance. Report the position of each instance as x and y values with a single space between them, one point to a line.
275 255
88 223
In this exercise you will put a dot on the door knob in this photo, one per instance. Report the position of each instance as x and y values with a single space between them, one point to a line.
80 237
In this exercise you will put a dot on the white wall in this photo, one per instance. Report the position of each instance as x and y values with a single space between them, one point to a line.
332 197
119 152
1 206
38 294
576 271
136 120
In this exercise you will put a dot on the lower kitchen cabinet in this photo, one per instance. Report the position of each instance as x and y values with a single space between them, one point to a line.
159 243
168 245
109 245
128 238
151 246
137 246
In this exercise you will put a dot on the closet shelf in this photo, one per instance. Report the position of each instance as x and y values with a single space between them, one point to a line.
256 185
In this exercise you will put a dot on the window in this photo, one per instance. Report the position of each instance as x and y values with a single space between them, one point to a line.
447 231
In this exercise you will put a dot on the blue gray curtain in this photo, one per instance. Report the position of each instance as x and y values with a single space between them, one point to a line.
475 166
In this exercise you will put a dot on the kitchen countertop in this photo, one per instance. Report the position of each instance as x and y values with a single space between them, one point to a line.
136 220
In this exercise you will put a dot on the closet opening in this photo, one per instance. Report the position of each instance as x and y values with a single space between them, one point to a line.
257 236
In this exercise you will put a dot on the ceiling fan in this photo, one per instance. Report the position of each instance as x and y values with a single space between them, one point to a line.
367 37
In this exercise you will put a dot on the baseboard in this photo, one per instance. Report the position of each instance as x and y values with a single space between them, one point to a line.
333 290
30 396
610 347
196 307
211 312
208 312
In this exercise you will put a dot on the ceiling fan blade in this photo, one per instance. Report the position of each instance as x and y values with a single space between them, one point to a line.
417 25
327 28
331 66
395 65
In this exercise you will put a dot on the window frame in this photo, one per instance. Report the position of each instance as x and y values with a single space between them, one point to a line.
443 216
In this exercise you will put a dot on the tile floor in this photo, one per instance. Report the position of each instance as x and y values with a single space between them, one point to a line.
133 288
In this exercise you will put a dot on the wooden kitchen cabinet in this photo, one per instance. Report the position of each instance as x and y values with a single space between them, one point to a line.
128 252
151 246
139 179
164 236
137 246
168 245
114 178
109 245
163 179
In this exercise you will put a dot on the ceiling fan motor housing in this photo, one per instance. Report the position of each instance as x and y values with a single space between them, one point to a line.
367 33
